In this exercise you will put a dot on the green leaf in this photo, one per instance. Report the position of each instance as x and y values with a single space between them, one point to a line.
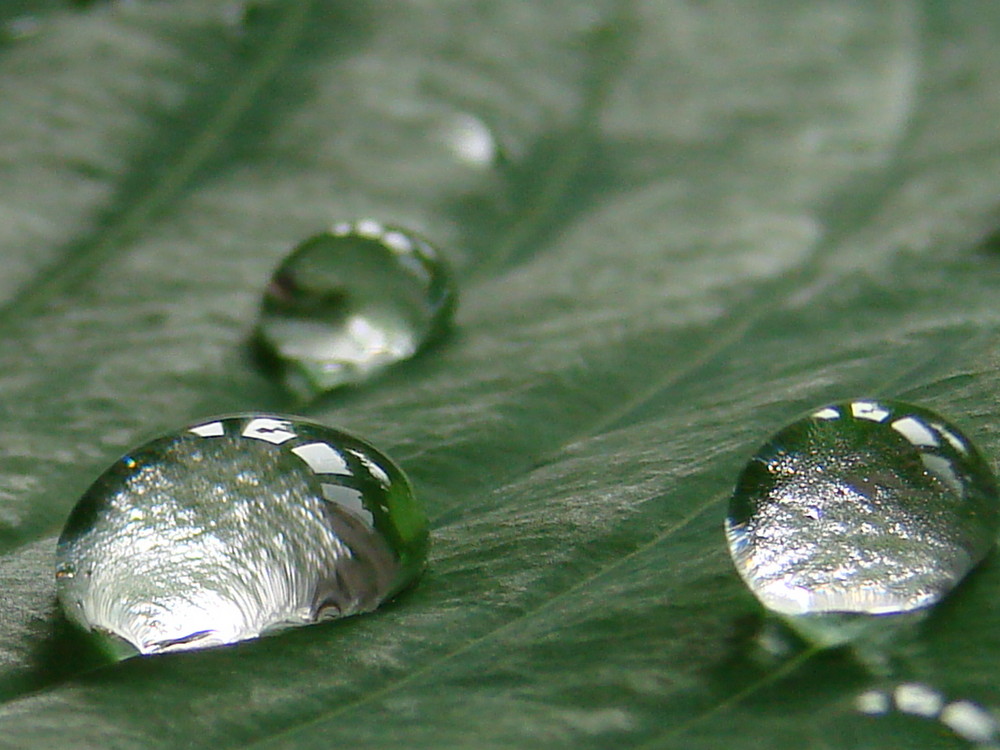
699 220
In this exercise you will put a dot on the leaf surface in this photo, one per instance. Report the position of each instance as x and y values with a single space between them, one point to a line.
677 227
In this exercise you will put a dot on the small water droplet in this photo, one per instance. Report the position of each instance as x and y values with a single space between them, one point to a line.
470 139
918 699
347 303
868 507
968 720
873 703
278 524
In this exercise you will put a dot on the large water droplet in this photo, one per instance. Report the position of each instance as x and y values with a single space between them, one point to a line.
868 507
347 303
236 527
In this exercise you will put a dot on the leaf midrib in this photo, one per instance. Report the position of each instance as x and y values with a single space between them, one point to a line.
114 237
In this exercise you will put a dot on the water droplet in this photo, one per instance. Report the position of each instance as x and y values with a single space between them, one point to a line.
968 720
281 522
918 699
873 703
471 140
868 507
347 303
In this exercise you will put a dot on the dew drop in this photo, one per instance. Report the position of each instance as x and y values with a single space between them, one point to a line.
471 140
873 703
968 720
918 699
865 507
349 302
282 522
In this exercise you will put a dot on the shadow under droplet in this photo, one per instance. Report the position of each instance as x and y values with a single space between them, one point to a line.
62 653
67 652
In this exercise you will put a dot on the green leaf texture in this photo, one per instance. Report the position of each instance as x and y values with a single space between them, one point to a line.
676 226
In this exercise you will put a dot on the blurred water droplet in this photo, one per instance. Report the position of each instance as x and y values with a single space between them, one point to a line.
968 720
471 140
918 700
873 703
867 507
347 303
236 527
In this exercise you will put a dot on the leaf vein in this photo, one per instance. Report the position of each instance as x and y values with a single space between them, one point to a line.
493 634
85 259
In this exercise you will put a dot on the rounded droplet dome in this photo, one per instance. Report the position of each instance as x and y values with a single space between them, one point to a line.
235 527
347 303
864 506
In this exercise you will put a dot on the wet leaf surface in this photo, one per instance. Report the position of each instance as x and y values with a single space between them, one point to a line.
676 228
